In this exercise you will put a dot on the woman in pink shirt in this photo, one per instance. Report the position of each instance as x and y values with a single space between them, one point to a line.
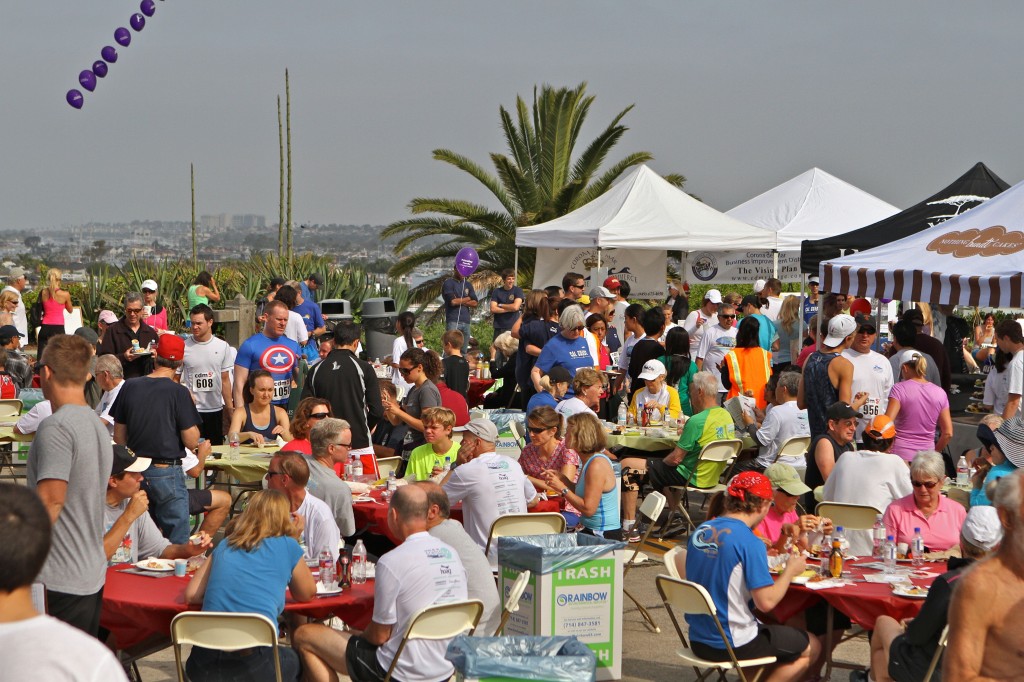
938 517
917 407
782 523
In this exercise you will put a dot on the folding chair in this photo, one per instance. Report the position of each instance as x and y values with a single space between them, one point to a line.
386 465
943 638
723 452
691 598
541 523
795 446
675 562
441 621
9 408
519 431
849 516
515 593
224 632
651 509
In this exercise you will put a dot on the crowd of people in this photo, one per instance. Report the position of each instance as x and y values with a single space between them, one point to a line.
131 414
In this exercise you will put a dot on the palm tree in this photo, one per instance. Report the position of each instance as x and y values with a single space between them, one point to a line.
538 181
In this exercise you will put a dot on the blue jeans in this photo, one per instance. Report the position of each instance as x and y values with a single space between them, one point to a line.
462 327
253 666
168 501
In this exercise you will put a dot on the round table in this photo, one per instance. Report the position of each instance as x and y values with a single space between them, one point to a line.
250 467
645 443
137 607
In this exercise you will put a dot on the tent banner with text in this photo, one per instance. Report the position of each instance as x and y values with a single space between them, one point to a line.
739 267
643 269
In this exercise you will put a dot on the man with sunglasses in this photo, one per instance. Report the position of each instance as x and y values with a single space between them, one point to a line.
573 284
331 443
872 373
718 339
136 360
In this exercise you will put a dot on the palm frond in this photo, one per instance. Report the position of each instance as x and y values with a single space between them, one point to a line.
483 177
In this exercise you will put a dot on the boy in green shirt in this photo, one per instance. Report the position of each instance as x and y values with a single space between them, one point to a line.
429 460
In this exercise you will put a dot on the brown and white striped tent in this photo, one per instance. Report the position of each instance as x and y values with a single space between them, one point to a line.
976 258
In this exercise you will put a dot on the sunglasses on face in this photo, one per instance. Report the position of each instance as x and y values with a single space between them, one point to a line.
727 317
405 370
318 415
924 484
580 329
537 429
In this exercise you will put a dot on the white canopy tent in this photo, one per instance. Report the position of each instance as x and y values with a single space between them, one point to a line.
976 258
813 205
643 211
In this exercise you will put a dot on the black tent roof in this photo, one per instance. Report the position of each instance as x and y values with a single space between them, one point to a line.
964 193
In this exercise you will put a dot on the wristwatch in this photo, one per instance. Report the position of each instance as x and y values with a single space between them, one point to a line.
564 491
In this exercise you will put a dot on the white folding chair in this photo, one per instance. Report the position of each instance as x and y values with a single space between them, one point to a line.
691 598
224 632
675 562
651 509
441 621
795 446
386 465
720 452
515 593
10 407
849 516
937 656
541 523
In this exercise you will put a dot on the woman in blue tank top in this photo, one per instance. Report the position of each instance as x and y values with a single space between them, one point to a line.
260 421
596 490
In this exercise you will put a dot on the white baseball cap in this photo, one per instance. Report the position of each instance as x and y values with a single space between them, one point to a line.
839 327
759 286
907 355
982 527
652 370
149 284
713 295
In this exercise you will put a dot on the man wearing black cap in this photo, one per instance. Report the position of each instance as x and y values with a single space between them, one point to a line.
311 286
811 300
827 447
18 365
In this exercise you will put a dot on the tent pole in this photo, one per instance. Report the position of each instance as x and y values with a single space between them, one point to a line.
599 258
775 264
803 297
516 264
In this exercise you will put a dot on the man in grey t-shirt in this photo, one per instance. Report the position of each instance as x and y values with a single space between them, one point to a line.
331 441
478 570
68 467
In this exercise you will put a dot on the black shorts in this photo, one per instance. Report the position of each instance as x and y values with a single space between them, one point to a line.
661 475
79 610
361 661
198 501
786 644
908 663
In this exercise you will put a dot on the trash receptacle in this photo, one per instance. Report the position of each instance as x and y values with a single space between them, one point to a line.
552 659
379 315
575 589
336 309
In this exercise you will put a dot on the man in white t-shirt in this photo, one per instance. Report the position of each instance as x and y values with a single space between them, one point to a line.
36 646
16 283
706 314
782 422
872 476
489 485
422 571
872 373
29 422
771 292
289 473
205 371
1010 339
718 339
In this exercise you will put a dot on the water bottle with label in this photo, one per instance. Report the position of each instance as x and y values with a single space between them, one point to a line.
359 563
963 473
826 545
889 554
357 467
447 464
234 445
840 535
327 574
917 547
620 418
877 537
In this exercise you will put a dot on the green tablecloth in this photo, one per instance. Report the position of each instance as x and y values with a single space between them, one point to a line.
250 467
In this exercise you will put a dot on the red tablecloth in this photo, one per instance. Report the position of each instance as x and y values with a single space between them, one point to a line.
477 388
373 516
862 602
136 607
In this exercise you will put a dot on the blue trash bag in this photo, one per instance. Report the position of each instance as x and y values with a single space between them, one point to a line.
551 553
555 659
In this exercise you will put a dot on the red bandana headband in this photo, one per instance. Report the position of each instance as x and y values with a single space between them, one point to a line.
757 484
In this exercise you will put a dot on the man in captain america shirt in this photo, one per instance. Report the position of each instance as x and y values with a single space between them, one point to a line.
270 350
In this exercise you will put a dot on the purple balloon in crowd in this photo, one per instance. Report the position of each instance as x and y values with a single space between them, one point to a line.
74 98
147 7
99 68
466 261
109 54
123 37
88 80
137 21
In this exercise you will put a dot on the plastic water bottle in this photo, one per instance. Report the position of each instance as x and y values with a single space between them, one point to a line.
963 473
357 467
234 445
359 563
877 537
826 544
917 544
889 554
447 464
620 418
841 536
327 574
392 483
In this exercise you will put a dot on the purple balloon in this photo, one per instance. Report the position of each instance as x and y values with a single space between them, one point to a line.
99 68
75 99
137 21
147 7
88 80
123 37
466 261
109 54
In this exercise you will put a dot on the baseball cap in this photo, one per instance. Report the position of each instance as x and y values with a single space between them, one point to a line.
982 527
881 427
861 306
87 333
612 283
840 410
484 429
652 370
126 461
1010 437
907 355
107 317
16 272
150 285
317 279
759 286
752 482
839 327
9 331
559 375
813 280
584 300
750 299
785 478
866 324
600 292
713 295
171 347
